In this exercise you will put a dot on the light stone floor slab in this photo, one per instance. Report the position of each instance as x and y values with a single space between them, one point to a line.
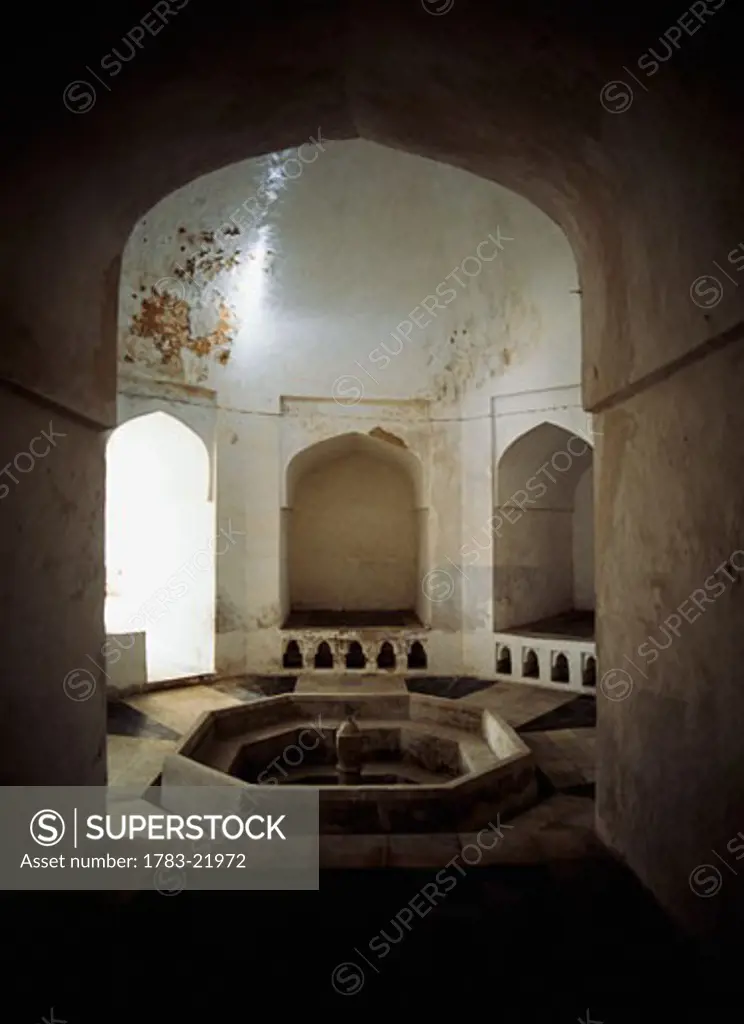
566 756
179 709
133 761
517 703
351 684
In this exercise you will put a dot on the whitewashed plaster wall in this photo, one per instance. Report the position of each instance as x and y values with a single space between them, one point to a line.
363 289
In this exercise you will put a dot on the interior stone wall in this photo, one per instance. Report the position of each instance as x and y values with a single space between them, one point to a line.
670 638
53 693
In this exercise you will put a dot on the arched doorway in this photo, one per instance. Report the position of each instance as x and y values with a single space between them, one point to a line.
160 552
544 540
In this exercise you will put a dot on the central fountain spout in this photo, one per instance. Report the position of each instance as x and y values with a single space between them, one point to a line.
349 751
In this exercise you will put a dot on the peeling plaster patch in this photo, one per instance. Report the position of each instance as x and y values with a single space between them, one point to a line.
473 358
206 265
384 435
165 320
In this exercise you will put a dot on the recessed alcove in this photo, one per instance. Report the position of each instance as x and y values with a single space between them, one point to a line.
544 534
352 529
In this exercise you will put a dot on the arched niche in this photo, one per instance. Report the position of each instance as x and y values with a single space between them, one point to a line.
543 528
417 659
386 659
352 529
160 551
292 657
323 655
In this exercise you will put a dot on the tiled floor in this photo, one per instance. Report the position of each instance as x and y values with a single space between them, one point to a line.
558 728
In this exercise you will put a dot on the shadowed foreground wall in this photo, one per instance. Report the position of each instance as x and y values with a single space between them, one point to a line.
670 790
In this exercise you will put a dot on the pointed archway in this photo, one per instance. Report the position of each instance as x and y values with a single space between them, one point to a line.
352 532
544 545
160 553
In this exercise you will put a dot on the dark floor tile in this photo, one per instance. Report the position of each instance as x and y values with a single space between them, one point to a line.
453 687
242 692
124 720
582 789
580 713
545 787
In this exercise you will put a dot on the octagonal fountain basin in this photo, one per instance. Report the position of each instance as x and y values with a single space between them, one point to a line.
381 763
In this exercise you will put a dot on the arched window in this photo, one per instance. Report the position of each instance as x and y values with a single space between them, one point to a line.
545 506
351 529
